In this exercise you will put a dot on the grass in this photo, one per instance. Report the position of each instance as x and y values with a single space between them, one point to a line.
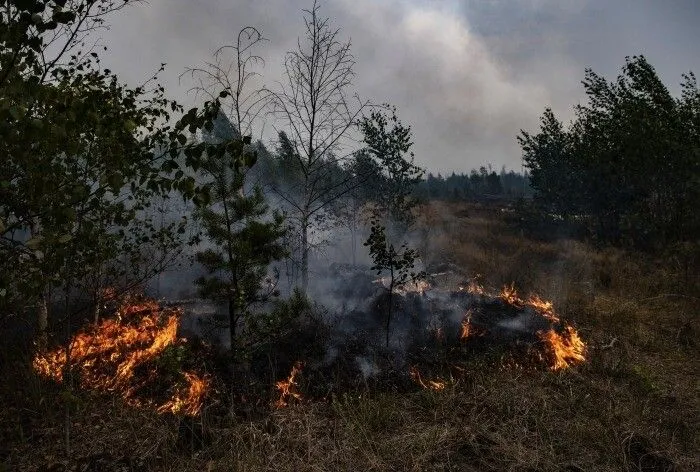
633 406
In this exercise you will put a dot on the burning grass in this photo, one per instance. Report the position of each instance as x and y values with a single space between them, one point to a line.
120 356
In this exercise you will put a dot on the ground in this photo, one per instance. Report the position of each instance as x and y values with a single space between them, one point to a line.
634 405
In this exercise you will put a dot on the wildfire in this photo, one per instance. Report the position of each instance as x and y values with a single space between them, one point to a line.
436 385
288 387
543 307
474 287
117 356
563 349
510 295
466 326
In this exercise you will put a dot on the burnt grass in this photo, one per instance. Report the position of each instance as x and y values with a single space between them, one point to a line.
632 406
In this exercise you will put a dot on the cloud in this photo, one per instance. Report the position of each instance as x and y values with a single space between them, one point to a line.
466 75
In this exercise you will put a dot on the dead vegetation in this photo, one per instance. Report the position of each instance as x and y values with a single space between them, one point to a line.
633 406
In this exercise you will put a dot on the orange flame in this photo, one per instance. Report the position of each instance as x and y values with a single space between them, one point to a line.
436 385
564 349
466 326
287 388
107 355
188 401
543 307
510 295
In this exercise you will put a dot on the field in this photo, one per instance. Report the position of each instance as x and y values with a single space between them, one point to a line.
633 405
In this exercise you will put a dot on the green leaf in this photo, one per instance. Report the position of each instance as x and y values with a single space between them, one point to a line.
34 242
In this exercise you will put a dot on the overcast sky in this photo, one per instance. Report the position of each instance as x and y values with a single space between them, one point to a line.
466 75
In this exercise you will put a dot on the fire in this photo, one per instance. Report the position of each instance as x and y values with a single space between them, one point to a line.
543 307
510 295
188 401
474 287
117 355
466 326
288 388
436 385
563 349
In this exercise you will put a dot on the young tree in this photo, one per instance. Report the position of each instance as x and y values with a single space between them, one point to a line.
314 104
389 142
398 263
245 237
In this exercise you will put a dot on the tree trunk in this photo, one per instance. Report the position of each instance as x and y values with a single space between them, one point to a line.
391 306
42 320
305 254
232 319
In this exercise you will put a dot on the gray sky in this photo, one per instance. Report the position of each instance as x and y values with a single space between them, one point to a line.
466 75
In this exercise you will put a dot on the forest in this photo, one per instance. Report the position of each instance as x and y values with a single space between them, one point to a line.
177 294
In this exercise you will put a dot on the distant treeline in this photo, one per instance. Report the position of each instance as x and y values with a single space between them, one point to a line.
482 184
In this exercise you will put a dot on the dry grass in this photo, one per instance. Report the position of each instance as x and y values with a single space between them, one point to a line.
634 403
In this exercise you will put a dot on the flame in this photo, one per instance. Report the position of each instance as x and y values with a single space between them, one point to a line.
436 385
474 287
107 356
563 349
466 326
287 388
510 295
189 401
543 307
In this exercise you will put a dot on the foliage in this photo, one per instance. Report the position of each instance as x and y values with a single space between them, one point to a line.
245 238
84 155
629 164
398 262
389 142
281 317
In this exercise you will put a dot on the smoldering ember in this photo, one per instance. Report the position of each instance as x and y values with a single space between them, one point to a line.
266 236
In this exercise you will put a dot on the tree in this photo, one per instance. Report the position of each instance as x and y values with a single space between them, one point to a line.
83 157
551 158
391 147
84 154
314 104
245 242
234 75
628 164
399 264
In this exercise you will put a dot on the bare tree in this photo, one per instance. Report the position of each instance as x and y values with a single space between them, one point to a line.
318 112
231 71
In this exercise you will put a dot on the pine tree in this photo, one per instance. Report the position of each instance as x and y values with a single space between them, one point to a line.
244 234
